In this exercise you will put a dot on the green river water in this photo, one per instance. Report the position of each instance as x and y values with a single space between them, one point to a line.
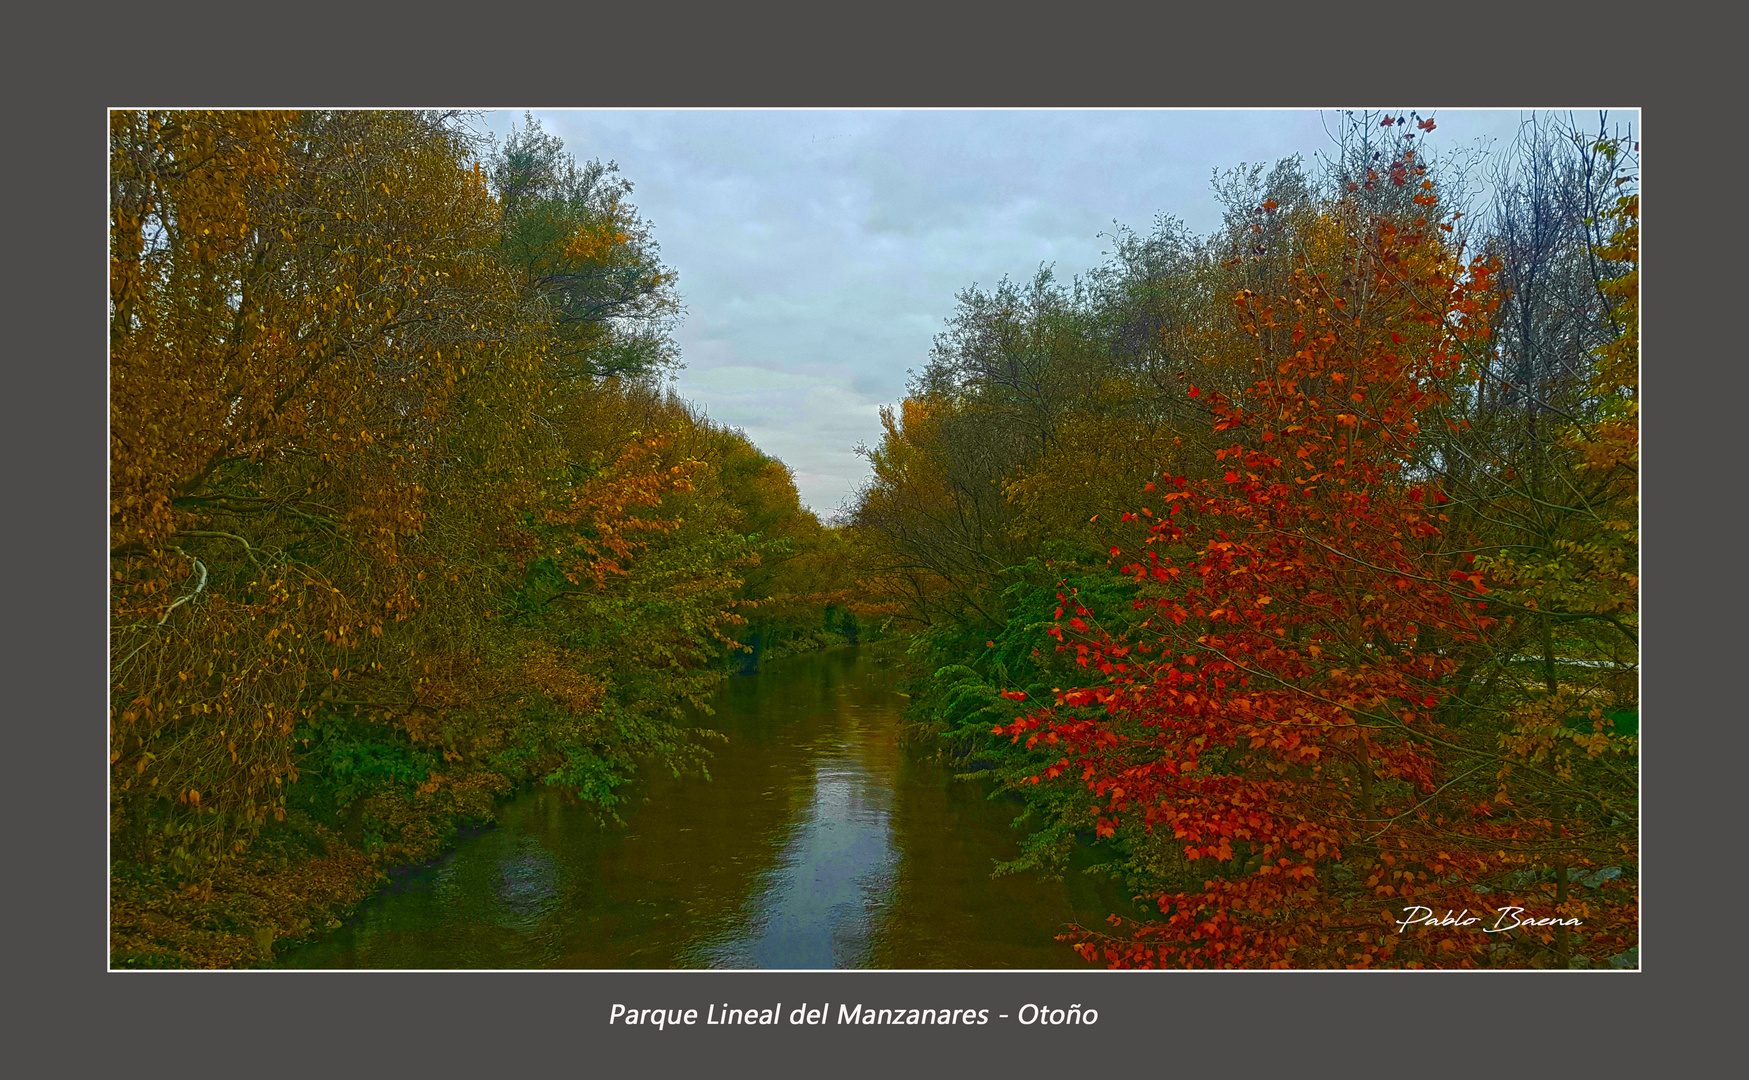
818 842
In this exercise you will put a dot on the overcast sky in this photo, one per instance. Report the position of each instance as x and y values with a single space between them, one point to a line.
819 252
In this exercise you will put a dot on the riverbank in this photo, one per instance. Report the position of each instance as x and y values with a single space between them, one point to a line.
879 646
300 880
303 879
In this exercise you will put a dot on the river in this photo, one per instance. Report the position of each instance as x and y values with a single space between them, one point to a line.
819 841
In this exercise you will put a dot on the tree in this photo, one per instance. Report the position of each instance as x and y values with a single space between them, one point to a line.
1276 712
585 256
295 301
1571 774
1511 461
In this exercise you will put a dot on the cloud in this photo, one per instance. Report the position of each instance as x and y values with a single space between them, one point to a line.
740 380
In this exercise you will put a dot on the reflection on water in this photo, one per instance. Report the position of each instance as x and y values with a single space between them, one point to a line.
528 886
821 904
818 843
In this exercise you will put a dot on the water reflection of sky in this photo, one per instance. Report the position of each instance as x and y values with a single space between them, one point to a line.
528 886
821 906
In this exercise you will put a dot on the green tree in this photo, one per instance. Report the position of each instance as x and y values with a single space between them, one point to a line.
585 257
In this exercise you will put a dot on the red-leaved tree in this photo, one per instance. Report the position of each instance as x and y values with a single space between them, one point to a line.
1276 709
